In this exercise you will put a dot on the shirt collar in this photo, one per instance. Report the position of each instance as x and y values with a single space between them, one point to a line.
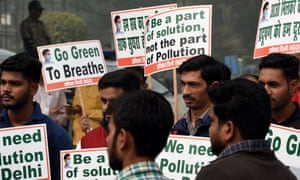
35 117
139 167
247 145
203 116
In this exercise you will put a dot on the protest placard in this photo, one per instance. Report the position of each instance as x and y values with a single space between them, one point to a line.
175 35
278 28
86 164
129 40
182 158
72 64
24 153
286 144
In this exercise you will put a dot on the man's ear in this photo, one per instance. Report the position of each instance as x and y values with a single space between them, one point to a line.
34 88
124 139
214 83
228 131
293 85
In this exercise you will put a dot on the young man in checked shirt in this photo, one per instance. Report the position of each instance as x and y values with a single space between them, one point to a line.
138 130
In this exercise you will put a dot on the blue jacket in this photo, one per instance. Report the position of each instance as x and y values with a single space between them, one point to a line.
57 137
181 127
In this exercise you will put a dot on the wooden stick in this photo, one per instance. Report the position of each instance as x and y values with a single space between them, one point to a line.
175 96
81 102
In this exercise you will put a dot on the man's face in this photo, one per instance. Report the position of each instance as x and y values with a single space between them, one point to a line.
36 13
15 90
118 21
215 133
118 24
277 86
47 56
115 162
108 94
194 90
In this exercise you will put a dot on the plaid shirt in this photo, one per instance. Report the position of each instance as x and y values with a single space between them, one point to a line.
142 170
247 145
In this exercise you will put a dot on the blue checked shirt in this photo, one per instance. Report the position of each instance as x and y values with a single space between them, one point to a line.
142 170
247 145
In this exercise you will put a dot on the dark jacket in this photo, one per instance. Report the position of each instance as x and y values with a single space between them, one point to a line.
57 137
246 166
181 127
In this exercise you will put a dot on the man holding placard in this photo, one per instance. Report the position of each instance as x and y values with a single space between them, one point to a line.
279 75
112 85
240 114
197 75
20 75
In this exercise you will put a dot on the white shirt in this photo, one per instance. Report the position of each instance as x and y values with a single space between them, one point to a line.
49 100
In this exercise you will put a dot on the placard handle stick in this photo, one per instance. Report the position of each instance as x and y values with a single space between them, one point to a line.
175 96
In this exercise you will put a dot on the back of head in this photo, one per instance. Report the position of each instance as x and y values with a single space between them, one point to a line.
250 77
139 70
126 79
288 63
23 62
245 103
148 116
211 69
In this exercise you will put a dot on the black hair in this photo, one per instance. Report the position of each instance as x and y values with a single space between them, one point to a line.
45 51
35 5
148 116
211 70
139 70
265 5
249 76
116 18
66 156
287 63
245 103
23 62
126 79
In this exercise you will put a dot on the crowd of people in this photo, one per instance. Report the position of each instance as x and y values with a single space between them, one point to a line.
134 123
236 115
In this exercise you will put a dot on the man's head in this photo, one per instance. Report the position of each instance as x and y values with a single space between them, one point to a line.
140 71
251 77
67 159
279 75
118 23
20 75
115 83
239 110
67 156
35 9
197 74
140 125
47 55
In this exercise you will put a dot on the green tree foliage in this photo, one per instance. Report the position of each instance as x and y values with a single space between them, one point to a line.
64 26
